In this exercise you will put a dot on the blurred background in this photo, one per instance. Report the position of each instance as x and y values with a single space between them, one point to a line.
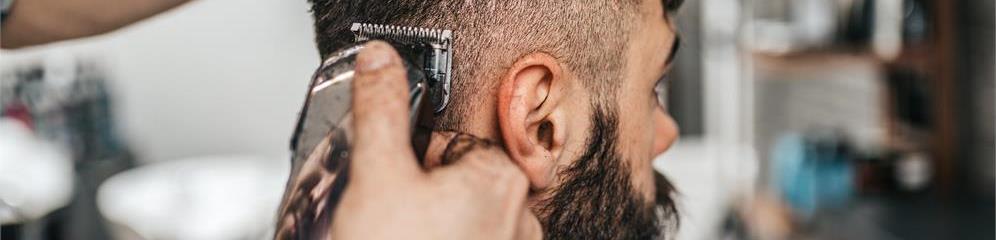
800 119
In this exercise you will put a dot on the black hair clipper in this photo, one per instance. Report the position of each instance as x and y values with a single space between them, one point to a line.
320 145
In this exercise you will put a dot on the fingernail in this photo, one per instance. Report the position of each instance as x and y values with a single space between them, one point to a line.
376 55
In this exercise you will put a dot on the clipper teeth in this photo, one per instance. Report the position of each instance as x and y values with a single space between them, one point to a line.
366 31
438 65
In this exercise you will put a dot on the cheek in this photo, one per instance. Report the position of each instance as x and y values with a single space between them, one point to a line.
636 133
663 134
637 139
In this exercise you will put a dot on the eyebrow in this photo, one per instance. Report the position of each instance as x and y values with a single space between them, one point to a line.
674 50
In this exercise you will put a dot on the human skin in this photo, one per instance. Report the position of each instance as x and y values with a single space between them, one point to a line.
478 194
540 107
535 115
34 22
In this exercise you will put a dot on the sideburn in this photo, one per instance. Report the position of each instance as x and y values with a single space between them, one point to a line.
597 200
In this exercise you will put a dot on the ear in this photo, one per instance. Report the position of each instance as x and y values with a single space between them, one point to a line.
531 115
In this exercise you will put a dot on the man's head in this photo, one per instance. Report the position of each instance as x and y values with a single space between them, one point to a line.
567 87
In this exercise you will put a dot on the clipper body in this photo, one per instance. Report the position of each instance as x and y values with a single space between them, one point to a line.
320 145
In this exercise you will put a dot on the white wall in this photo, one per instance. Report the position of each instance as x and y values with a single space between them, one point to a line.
210 77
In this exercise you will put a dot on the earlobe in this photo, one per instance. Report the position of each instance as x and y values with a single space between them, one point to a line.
529 115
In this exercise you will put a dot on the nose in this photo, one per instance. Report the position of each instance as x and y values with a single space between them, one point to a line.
665 131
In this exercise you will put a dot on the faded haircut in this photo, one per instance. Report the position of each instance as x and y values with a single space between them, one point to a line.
589 37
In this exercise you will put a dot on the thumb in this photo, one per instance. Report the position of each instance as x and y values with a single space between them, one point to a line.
380 113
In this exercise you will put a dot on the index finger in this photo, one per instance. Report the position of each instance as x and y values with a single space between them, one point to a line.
484 167
461 153
380 112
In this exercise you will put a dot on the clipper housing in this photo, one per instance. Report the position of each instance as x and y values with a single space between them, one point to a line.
320 143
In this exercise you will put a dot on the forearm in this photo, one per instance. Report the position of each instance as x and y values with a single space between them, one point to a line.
33 22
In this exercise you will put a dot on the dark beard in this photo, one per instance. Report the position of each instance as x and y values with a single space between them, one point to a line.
597 200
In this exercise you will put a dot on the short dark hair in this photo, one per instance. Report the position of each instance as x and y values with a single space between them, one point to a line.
588 36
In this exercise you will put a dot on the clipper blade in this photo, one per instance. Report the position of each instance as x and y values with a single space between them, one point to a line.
438 63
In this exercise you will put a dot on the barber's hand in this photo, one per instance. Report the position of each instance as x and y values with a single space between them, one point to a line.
478 193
